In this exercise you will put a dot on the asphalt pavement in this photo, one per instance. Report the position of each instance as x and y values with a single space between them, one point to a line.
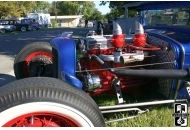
12 43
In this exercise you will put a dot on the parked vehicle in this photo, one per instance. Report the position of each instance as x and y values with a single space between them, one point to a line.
15 24
154 65
108 28
2 29
41 18
35 25
7 26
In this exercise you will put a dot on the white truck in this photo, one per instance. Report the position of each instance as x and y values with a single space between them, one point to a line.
41 18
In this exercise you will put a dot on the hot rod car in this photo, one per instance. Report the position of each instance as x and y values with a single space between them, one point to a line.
56 78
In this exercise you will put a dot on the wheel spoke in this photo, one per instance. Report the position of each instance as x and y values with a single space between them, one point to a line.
49 121
37 64
32 119
42 120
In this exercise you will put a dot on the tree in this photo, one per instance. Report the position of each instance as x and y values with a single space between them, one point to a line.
73 8
10 9
42 6
116 8
88 9
68 7
53 8
96 15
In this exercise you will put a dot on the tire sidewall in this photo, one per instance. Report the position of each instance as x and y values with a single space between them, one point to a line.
25 52
23 29
57 108
49 90
34 28
2 31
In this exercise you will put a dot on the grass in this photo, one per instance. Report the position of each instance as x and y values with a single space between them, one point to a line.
158 116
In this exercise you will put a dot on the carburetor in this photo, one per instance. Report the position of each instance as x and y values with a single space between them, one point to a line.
92 43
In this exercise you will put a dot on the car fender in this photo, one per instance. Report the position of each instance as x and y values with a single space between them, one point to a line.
66 56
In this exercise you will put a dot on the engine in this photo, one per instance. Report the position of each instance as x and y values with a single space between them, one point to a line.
115 52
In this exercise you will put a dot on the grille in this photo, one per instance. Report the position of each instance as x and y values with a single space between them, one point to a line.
168 55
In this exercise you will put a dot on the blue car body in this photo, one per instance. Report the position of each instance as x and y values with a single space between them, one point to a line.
177 37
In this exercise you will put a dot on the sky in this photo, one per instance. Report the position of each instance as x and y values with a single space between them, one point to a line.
104 9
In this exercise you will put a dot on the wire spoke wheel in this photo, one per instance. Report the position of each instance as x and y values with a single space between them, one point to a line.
34 28
23 29
34 60
41 119
2 30
38 64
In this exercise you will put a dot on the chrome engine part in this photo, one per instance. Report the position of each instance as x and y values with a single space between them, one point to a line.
91 82
101 42
93 42
91 33
124 58
96 42
82 46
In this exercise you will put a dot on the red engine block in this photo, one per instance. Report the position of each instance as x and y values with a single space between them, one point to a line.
131 85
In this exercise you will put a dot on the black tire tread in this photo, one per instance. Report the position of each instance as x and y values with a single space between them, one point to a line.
52 90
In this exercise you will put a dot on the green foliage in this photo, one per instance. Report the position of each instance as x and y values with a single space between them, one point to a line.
96 15
88 9
9 9
68 7
54 23
74 8
53 9
158 115
117 8
42 6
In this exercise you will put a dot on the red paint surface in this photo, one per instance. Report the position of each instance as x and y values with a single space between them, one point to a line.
130 84
118 41
41 119
139 40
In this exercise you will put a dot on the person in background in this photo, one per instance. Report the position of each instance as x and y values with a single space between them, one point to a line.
188 16
174 19
93 23
98 26
86 23
109 21
115 18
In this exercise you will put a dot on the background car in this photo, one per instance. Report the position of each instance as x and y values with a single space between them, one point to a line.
15 24
7 26
2 29
108 28
35 25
